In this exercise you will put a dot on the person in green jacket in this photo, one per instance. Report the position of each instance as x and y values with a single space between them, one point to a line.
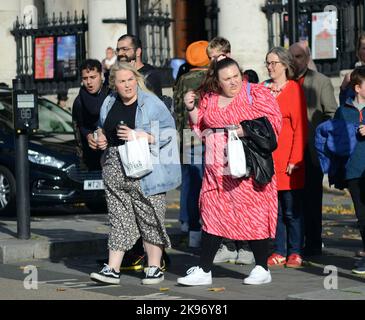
191 147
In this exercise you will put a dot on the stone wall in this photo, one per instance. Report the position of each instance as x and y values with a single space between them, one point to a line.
244 24
8 12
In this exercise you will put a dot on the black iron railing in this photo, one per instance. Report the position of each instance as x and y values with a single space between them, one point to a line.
350 15
154 26
25 35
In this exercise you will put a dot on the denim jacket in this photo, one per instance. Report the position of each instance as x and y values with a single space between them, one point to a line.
153 117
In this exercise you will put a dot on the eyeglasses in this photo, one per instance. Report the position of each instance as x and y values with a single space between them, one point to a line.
124 49
271 63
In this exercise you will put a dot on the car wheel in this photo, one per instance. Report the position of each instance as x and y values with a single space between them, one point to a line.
7 192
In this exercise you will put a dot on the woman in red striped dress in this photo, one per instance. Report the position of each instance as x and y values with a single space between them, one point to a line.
232 208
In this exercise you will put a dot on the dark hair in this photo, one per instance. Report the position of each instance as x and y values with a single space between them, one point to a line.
211 81
62 96
357 76
136 42
251 76
91 64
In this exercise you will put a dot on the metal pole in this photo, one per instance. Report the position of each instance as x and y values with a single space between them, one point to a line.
293 21
22 178
132 17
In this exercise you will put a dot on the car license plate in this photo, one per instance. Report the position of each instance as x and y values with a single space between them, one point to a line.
93 185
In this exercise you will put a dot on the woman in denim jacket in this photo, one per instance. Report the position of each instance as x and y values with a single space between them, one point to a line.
136 207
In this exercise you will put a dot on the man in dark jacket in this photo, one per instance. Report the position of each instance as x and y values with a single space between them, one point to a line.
129 49
86 110
321 106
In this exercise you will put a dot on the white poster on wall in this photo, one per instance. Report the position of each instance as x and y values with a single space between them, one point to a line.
324 34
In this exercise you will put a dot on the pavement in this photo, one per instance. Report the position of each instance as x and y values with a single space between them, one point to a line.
81 236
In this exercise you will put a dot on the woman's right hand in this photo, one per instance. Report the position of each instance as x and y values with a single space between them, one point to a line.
102 142
189 100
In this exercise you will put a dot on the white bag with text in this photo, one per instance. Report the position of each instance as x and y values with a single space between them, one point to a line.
136 158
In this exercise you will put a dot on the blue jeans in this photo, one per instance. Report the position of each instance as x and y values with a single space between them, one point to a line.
192 175
289 230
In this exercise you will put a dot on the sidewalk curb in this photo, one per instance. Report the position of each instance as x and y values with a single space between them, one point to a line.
15 250
352 293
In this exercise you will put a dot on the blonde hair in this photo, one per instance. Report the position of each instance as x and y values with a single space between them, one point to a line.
286 58
220 44
118 66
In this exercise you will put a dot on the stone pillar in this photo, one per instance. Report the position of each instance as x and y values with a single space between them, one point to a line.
102 35
63 6
9 10
245 25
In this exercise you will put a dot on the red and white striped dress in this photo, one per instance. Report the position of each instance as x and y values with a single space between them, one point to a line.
235 208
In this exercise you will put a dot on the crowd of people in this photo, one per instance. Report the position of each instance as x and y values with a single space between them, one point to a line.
284 124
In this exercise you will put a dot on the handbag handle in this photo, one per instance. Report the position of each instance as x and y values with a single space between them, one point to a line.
233 134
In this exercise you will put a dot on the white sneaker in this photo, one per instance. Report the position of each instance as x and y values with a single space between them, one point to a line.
196 276
258 275
195 238
245 257
224 255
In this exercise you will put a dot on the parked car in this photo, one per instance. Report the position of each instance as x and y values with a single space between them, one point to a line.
56 174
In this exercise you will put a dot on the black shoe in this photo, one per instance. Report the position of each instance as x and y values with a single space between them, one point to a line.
106 275
154 275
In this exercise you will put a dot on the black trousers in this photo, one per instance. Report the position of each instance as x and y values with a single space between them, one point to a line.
233 245
357 191
312 213
211 243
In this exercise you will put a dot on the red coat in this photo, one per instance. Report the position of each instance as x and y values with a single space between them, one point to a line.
292 138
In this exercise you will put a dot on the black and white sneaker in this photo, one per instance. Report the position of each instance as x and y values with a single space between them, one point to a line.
154 275
106 275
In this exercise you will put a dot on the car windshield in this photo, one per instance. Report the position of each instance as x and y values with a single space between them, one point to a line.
52 118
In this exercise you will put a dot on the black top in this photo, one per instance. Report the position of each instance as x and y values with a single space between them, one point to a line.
118 112
85 117
152 79
86 109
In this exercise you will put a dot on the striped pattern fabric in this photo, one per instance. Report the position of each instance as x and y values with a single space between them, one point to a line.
235 208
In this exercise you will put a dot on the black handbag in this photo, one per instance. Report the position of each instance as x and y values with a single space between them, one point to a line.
259 143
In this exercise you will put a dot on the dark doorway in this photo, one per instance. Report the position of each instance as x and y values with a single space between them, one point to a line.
193 21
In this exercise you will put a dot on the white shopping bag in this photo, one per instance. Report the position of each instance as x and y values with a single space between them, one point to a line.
136 158
236 155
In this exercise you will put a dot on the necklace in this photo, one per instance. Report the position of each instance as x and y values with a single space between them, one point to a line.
276 89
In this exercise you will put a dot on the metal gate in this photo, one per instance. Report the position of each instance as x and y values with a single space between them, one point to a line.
350 15
51 29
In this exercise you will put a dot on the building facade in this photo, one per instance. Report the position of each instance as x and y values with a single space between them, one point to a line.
249 25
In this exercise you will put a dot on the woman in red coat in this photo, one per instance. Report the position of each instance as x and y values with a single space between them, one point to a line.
288 158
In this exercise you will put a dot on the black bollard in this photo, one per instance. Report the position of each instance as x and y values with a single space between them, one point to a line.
21 175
